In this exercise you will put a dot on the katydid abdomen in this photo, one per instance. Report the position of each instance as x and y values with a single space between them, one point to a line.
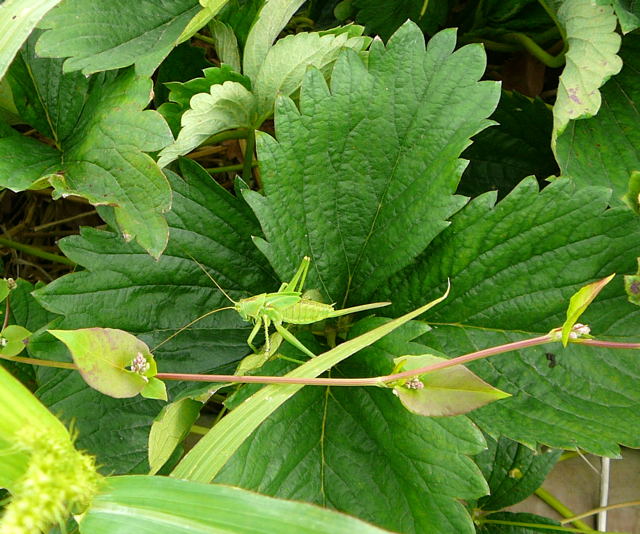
307 311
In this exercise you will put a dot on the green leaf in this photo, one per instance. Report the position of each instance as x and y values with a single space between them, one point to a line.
184 63
93 37
210 9
513 267
632 286
100 131
628 12
384 17
169 429
362 166
13 340
18 18
270 21
578 304
154 389
226 44
501 156
103 355
240 16
225 107
592 44
337 444
513 472
603 150
23 161
181 93
121 287
450 391
161 505
4 289
632 198
232 106
208 456
286 63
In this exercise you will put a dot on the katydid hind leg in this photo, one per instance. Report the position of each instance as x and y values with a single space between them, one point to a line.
298 280
356 309
293 340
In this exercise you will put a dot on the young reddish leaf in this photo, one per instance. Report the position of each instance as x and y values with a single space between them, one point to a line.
13 340
579 303
632 286
112 361
450 391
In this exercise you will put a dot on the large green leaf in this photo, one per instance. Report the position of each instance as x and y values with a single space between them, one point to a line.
513 472
158 505
513 268
17 20
124 288
100 131
336 445
605 149
92 34
592 44
361 178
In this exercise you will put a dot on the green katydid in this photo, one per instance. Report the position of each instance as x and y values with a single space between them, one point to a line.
287 305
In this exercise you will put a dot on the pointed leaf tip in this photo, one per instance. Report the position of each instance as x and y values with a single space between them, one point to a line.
444 392
579 303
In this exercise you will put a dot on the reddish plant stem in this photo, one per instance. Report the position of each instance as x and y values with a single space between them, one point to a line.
516 345
373 381
608 344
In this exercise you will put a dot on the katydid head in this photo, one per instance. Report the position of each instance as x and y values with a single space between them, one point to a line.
250 308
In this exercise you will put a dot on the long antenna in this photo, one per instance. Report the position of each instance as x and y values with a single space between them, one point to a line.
191 324
210 277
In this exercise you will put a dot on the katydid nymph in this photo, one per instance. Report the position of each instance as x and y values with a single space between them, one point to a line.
287 305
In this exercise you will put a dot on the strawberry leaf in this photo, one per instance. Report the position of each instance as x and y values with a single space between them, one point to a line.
94 38
513 267
362 165
99 132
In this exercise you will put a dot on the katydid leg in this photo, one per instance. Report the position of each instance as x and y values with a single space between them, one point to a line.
253 334
290 338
